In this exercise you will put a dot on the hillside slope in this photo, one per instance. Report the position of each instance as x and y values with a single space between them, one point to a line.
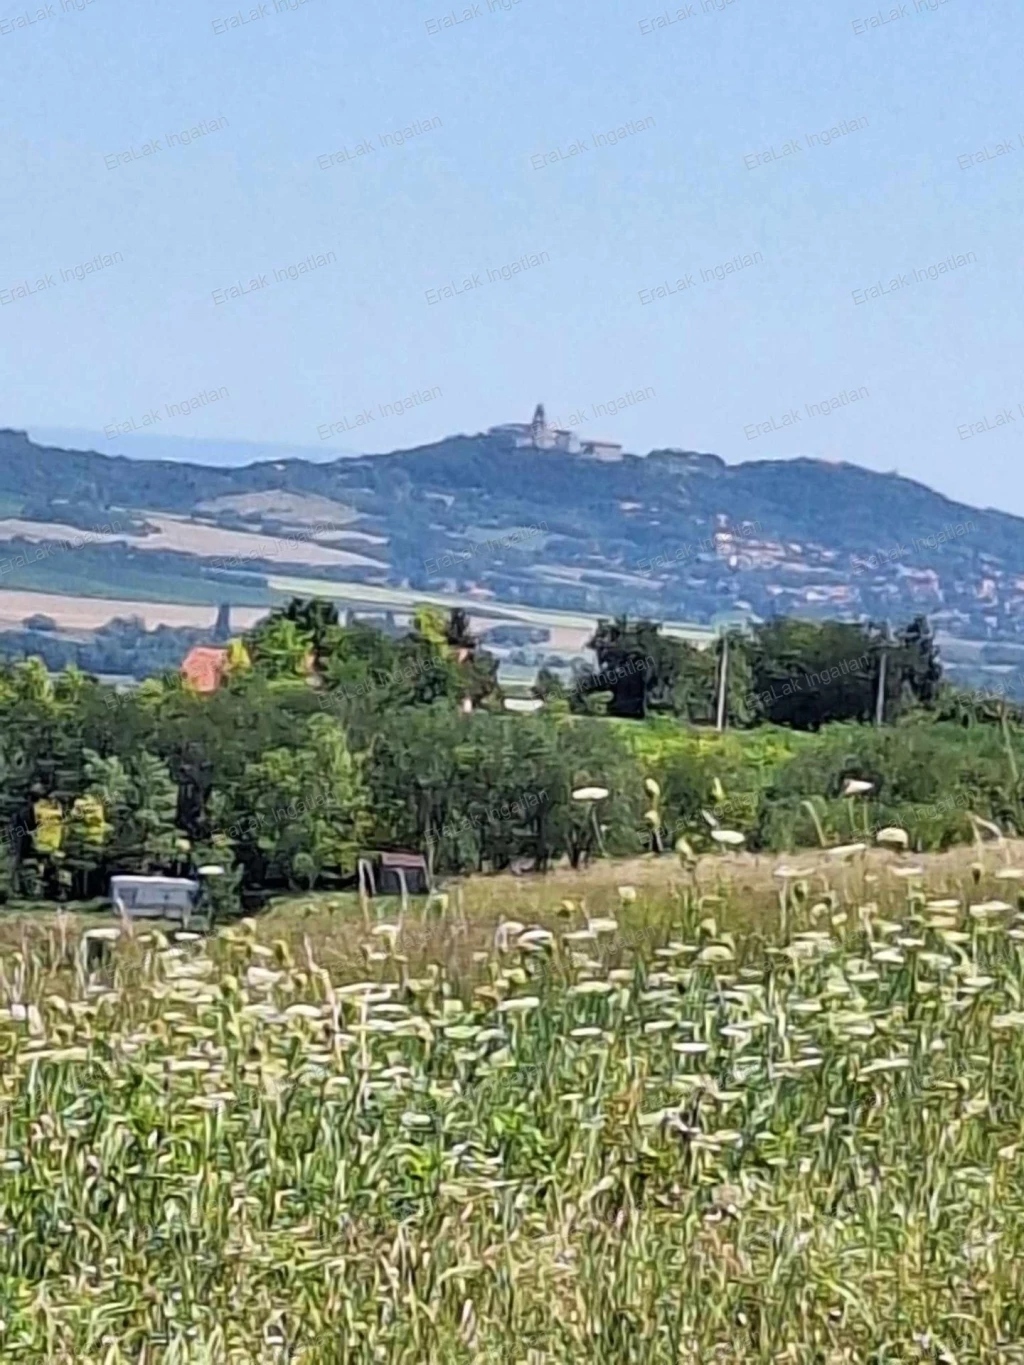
674 533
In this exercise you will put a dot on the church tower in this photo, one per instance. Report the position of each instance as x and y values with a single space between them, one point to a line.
539 427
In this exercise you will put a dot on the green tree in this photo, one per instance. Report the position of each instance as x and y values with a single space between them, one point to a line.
358 662
85 836
280 648
138 799
317 618
298 812
917 664
478 669
650 673
548 686
808 673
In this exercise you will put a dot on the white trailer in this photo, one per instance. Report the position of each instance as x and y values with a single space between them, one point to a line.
170 898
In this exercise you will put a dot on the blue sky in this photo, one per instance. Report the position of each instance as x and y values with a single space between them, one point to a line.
497 97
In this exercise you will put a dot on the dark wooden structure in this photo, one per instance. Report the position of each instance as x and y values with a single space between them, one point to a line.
383 873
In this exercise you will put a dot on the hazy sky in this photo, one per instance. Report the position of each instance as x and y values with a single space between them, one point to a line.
301 85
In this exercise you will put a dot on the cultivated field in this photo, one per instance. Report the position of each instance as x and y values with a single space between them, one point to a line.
299 509
88 613
642 1115
195 538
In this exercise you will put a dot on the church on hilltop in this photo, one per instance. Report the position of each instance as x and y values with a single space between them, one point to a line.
542 435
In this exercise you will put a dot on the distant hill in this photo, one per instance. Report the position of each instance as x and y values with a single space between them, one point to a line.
673 534
181 449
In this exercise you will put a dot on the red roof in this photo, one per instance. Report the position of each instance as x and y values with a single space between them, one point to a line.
204 667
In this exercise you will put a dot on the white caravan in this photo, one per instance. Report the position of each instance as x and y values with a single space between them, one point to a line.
170 898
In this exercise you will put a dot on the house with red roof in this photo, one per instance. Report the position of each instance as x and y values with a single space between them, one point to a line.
204 667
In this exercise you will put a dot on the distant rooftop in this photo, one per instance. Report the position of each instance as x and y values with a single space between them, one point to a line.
203 667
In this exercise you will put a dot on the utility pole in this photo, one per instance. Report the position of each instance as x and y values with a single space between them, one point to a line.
880 698
722 679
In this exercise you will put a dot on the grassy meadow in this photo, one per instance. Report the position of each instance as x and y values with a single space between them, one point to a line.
640 1113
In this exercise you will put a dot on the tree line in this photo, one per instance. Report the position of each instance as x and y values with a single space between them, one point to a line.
326 739
792 672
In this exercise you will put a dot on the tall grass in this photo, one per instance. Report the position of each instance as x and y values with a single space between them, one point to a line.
676 1144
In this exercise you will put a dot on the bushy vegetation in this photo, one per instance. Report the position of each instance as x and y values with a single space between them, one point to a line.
784 789
326 739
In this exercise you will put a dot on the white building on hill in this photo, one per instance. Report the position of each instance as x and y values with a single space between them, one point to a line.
538 435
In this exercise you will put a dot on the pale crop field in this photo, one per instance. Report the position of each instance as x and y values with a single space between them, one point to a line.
670 1122
89 613
194 538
